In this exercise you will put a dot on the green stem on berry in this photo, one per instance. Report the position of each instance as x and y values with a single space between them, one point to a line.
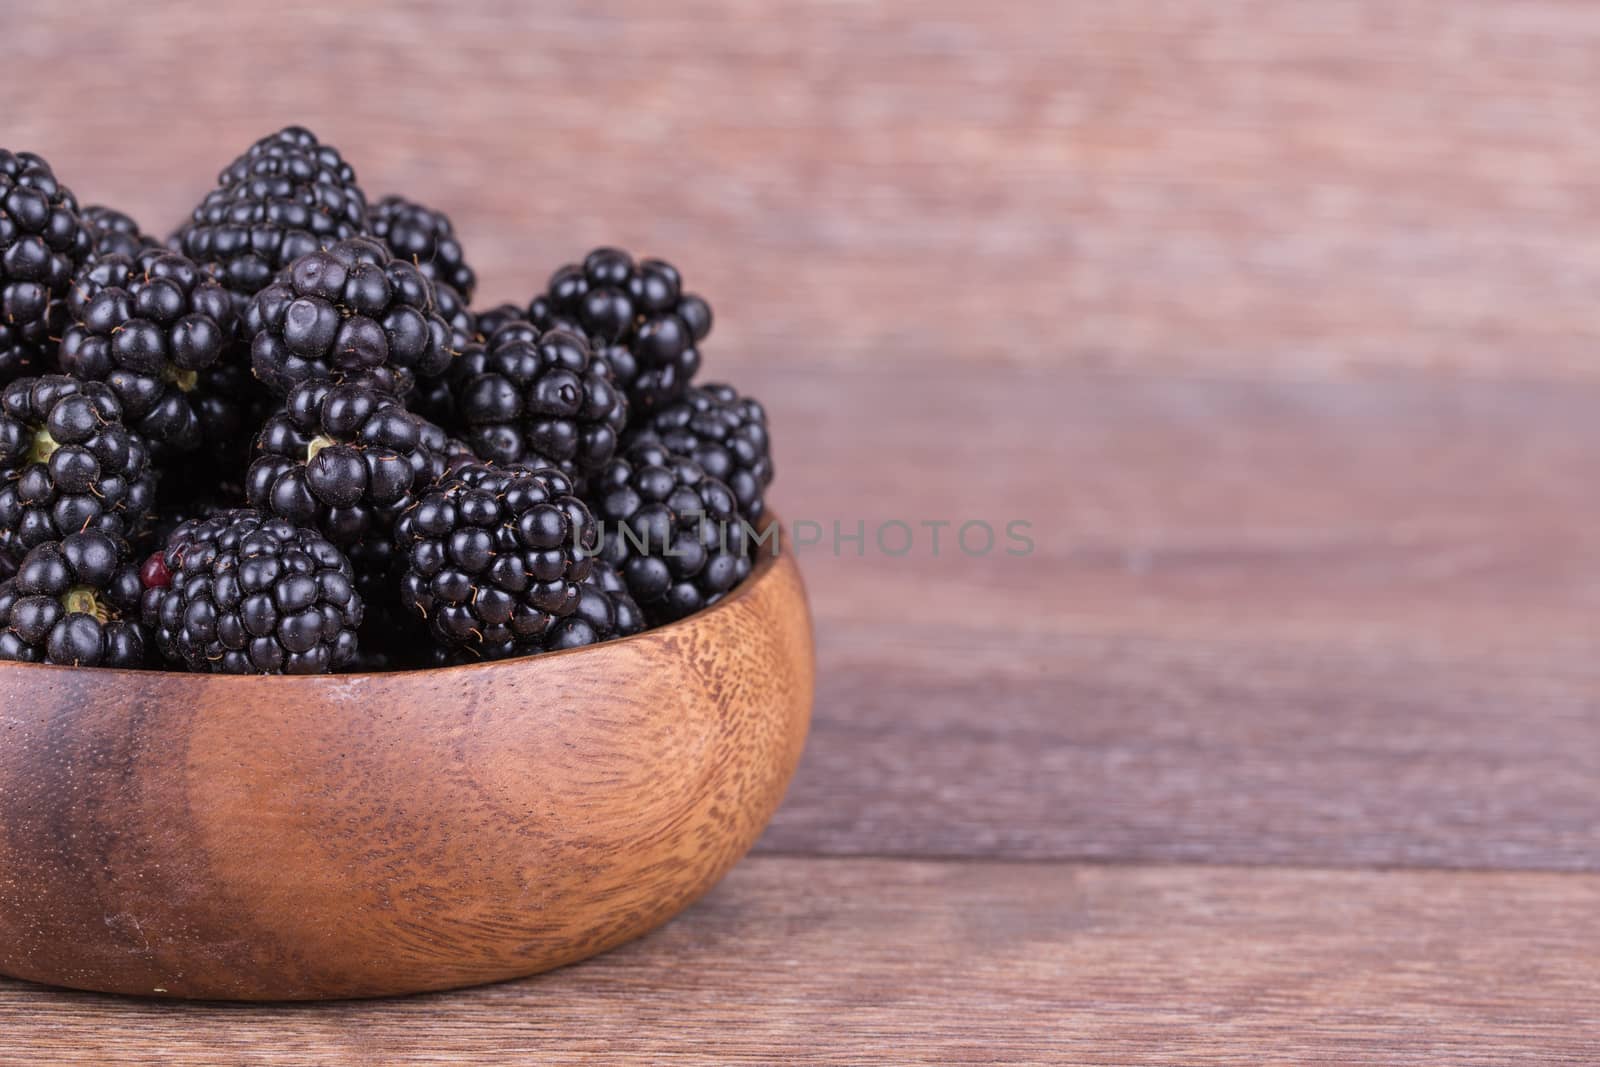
317 444
185 380
82 600
44 446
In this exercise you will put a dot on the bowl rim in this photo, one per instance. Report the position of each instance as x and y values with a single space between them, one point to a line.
765 563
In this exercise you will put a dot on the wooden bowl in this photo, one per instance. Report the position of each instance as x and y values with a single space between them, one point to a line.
235 838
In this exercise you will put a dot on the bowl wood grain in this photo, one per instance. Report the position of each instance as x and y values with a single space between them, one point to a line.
363 835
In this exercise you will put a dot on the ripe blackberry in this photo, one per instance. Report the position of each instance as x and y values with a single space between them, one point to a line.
74 602
344 458
723 432
418 234
638 318
67 464
671 530
43 242
157 330
114 234
539 399
605 611
246 593
350 311
492 557
286 197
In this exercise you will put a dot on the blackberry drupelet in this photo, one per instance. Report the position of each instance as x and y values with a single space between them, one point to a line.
638 318
540 399
418 234
74 602
345 458
350 311
159 331
671 530
112 233
287 196
43 243
605 611
492 557
488 322
67 464
723 432
246 593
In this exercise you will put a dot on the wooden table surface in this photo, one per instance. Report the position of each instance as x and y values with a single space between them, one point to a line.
1278 322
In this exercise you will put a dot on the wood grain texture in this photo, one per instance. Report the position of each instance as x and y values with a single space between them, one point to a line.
365 835
843 962
1330 624
1283 187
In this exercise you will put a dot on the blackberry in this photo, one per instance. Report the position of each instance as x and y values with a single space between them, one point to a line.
246 593
418 234
540 399
287 196
43 242
112 233
350 311
74 602
723 432
671 530
345 459
157 330
605 611
492 557
638 318
67 464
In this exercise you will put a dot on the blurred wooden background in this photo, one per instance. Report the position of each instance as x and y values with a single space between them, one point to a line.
1276 319
1262 187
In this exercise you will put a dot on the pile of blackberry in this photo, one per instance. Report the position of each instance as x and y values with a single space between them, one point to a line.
282 441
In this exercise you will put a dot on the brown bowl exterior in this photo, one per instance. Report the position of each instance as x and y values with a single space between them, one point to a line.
364 835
